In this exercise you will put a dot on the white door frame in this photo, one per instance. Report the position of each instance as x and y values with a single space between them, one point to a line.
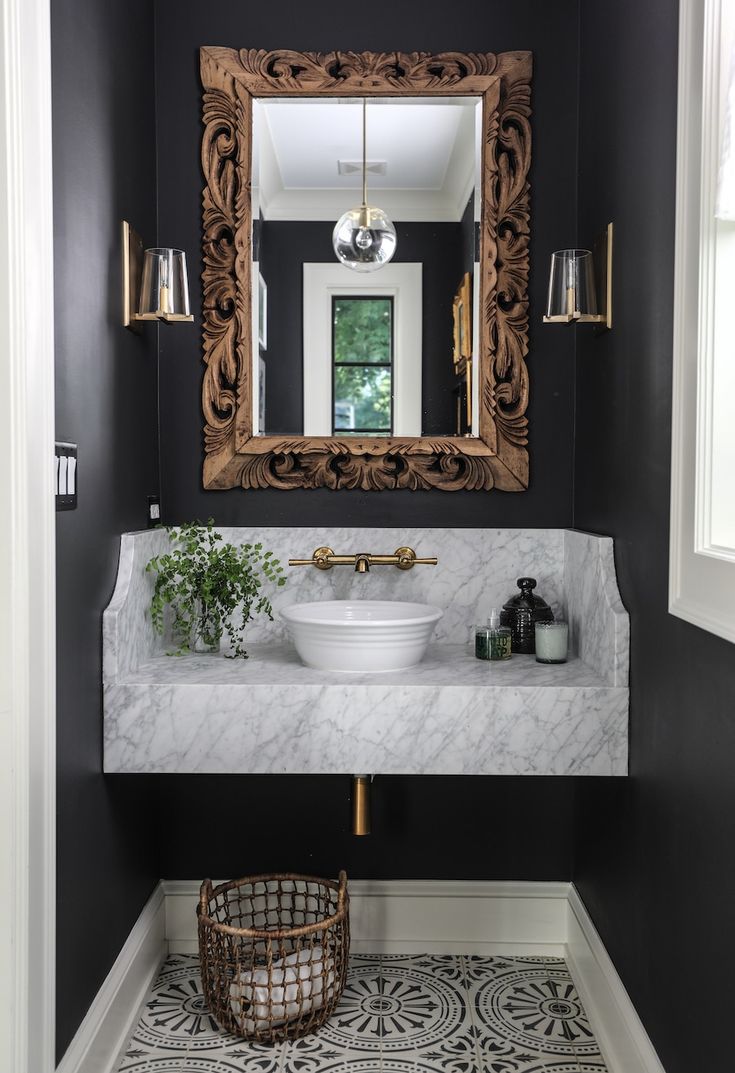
27 562
402 281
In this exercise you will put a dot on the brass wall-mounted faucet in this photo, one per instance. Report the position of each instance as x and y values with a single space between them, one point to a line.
325 559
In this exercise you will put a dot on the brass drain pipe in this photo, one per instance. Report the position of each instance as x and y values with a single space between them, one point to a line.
361 804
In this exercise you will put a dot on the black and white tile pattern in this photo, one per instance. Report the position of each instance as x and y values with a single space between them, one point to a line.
431 1013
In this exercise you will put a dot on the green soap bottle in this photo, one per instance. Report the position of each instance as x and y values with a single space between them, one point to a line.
499 637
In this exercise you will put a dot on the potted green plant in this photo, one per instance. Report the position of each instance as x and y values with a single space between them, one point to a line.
212 587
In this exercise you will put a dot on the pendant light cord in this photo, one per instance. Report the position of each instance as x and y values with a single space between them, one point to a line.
364 150
364 238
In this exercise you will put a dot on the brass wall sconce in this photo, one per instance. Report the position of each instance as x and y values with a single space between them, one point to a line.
580 284
155 284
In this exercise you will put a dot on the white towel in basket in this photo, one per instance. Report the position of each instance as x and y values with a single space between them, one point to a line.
294 986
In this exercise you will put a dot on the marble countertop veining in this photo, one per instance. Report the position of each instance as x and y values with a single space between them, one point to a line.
451 714
444 666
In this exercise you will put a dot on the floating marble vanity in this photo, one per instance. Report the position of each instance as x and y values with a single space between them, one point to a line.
451 714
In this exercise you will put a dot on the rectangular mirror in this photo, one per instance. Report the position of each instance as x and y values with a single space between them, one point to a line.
363 353
411 376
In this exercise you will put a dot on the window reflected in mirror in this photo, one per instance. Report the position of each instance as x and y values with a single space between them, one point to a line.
362 365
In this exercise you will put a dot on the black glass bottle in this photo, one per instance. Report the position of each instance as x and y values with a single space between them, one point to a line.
522 612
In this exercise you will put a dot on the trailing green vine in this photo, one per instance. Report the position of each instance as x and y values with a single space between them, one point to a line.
205 581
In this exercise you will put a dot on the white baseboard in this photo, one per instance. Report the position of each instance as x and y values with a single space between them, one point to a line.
432 917
101 1035
401 916
623 1040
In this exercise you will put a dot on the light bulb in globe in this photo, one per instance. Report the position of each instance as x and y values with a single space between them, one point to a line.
364 239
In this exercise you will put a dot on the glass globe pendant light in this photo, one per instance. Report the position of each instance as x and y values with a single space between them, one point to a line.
364 238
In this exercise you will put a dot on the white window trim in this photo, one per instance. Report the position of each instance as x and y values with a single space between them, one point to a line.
714 376
701 586
403 283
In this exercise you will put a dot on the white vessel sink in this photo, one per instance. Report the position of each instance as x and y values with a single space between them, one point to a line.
361 635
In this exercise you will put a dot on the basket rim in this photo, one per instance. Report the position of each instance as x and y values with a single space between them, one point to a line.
208 891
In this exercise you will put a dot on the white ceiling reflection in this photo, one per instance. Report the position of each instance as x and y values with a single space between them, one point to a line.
425 154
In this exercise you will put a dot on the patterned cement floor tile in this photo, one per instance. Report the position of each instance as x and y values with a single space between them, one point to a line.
498 1055
448 967
313 1054
353 1027
585 1064
457 1053
516 1061
532 960
229 1062
175 1017
413 1064
430 1013
139 1060
414 1008
534 1009
479 969
348 1064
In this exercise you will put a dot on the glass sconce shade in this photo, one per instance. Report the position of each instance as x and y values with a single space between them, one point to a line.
580 284
364 239
164 289
572 294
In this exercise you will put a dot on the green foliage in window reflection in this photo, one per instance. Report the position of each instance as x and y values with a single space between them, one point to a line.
366 392
362 330
363 387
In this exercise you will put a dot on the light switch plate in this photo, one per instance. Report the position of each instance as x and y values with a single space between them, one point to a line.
154 511
66 476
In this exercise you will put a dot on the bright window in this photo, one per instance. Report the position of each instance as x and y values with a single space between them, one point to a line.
702 561
715 497
362 365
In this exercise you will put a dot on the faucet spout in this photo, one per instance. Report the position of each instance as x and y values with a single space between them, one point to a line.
362 564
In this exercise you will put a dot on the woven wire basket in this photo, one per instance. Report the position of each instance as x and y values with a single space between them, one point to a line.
273 951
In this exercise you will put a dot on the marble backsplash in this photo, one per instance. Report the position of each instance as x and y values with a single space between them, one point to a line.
477 570
599 627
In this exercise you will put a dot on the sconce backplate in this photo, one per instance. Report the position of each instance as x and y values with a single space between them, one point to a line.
132 247
602 253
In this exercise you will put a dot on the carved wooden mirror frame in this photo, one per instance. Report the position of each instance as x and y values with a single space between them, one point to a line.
498 458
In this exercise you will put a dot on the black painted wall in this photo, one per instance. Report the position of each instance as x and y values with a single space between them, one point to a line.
106 150
284 249
104 171
550 31
425 828
653 854
655 862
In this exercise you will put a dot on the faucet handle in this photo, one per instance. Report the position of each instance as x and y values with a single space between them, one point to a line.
321 559
407 558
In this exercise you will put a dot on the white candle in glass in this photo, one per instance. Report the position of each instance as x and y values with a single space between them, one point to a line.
552 639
